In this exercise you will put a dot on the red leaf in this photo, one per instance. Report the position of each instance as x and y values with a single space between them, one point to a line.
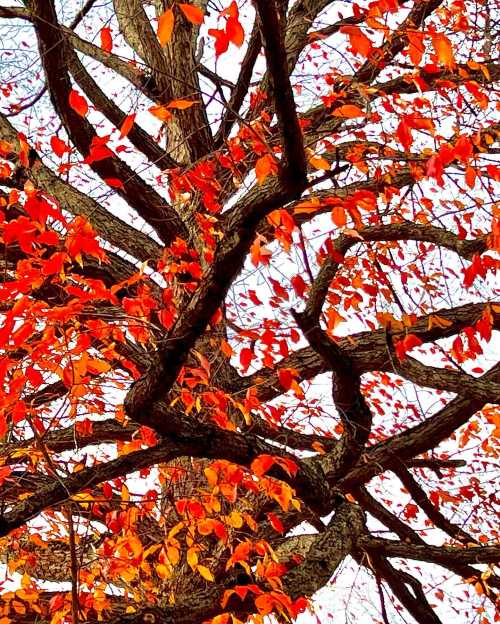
78 103
275 522
404 134
106 39
221 40
299 285
407 344
262 464
286 377
59 147
246 357
435 168
235 32
114 182
416 46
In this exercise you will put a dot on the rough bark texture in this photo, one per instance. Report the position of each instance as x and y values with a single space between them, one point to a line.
169 404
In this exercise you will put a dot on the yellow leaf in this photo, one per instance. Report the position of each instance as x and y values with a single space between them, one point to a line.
83 497
211 476
163 571
125 493
166 26
318 162
205 573
128 574
173 555
192 558
235 520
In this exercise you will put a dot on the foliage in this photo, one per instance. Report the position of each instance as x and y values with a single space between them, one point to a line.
248 319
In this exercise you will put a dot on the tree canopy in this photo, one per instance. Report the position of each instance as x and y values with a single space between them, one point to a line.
248 320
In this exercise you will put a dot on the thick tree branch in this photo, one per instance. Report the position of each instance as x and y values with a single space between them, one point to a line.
294 166
418 439
109 227
54 50
353 410
420 497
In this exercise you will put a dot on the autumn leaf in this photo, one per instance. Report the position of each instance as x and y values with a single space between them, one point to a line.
181 104
416 46
262 464
160 112
409 342
320 163
59 147
205 573
235 32
78 103
192 13
265 166
165 26
358 40
349 111
275 522
127 125
106 39
339 216
404 134
192 558
221 40
444 50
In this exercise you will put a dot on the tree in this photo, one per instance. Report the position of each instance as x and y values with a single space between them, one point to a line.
181 301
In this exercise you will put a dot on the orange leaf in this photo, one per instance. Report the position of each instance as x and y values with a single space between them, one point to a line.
349 111
181 104
261 464
318 162
192 13
470 177
265 166
78 103
339 216
416 46
161 112
358 40
444 50
318 447
165 26
126 126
